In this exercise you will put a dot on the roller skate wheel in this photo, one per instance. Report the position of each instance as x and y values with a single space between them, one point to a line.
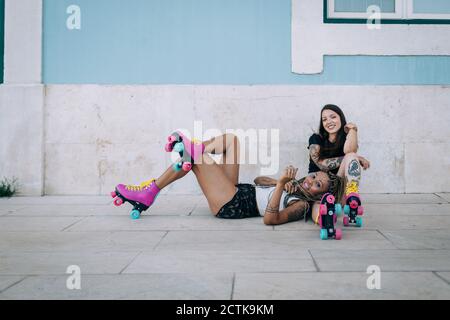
179 147
346 221
323 234
320 221
168 147
346 210
338 209
187 166
323 209
330 199
359 222
334 219
338 235
177 167
113 194
171 138
360 211
118 202
135 214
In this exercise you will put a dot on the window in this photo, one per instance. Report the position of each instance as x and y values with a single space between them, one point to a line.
391 11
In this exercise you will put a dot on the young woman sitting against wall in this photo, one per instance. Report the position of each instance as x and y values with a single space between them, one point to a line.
334 150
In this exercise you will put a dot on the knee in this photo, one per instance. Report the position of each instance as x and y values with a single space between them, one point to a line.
231 140
349 157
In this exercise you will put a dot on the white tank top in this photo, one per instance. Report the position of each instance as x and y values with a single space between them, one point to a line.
263 196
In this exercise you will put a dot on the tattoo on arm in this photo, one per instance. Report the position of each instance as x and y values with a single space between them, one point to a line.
269 209
326 164
298 213
333 163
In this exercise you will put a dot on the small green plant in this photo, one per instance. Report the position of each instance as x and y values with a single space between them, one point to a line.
8 187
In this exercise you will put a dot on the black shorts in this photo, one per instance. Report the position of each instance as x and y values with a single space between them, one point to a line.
243 205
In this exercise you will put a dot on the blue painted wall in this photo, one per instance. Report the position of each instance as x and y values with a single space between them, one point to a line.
201 42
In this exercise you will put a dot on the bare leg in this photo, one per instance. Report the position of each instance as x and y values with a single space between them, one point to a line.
228 145
350 168
216 186
216 181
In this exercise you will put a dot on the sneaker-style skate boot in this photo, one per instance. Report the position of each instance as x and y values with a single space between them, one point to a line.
328 213
353 210
141 196
189 150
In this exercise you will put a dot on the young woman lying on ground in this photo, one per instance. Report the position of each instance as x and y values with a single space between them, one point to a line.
226 197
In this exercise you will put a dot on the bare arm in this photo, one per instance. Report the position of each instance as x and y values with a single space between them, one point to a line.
351 143
293 212
324 164
265 181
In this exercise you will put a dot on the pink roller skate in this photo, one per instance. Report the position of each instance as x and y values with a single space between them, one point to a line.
141 197
328 217
353 210
189 150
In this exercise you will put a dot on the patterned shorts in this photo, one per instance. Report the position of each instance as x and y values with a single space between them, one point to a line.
243 205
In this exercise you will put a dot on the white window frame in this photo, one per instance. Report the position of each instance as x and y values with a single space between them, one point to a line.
404 10
398 14
428 16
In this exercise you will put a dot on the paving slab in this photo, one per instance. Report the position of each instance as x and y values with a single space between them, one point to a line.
396 222
419 239
153 222
8 281
78 241
445 276
398 198
262 241
221 260
27 224
51 200
125 287
9 209
338 286
445 196
387 260
53 263
407 209
201 210
69 210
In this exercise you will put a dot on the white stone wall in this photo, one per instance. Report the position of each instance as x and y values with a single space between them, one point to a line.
97 136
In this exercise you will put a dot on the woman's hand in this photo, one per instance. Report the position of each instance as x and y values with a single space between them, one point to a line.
364 162
291 186
288 174
350 126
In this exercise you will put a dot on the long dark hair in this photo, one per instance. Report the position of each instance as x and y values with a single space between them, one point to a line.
329 152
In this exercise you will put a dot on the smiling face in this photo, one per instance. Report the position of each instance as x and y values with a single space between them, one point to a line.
316 183
331 121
